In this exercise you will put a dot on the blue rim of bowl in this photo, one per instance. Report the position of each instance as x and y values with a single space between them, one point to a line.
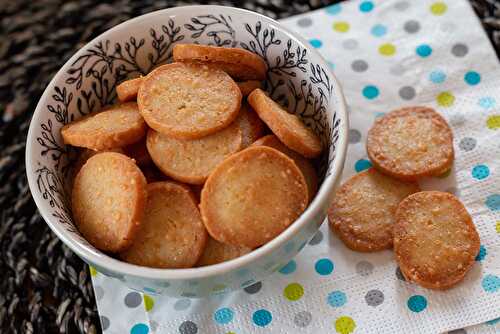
115 265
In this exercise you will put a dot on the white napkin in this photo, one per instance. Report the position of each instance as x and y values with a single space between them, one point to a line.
386 54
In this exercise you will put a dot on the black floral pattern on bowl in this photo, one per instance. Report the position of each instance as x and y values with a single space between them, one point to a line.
92 77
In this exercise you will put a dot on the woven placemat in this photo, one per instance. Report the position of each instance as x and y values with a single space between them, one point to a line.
45 288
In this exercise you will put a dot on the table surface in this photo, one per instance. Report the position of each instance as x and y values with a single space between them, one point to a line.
45 288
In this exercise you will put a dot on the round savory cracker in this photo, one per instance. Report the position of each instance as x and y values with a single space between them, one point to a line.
249 86
217 252
127 90
304 165
116 126
85 154
410 143
172 234
108 201
287 127
191 161
238 63
435 240
250 125
139 152
253 196
188 101
363 208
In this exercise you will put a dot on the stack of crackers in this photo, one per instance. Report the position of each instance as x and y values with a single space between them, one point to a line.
183 171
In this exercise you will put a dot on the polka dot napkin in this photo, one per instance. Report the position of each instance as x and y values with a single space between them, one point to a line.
386 54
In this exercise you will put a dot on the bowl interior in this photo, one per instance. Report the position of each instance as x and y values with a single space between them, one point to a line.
298 78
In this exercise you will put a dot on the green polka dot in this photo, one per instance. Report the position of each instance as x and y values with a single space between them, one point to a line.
445 99
387 49
493 122
218 287
293 291
445 174
149 302
498 227
341 26
93 271
438 8
344 325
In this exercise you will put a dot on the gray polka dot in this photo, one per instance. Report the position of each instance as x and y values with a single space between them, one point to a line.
104 322
399 274
316 239
459 50
304 22
182 304
397 70
188 327
467 144
153 325
364 268
402 6
407 92
411 26
350 44
457 119
302 319
458 331
354 136
359 65
99 292
254 288
374 297
133 299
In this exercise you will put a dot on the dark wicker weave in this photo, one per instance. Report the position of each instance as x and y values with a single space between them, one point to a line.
44 287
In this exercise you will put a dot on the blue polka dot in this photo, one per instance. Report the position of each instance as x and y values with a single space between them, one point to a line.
139 329
336 299
316 43
361 165
480 172
223 316
288 268
370 92
472 78
493 202
424 50
379 114
333 9
262 318
366 6
437 77
493 322
487 102
379 30
417 303
324 266
491 283
482 253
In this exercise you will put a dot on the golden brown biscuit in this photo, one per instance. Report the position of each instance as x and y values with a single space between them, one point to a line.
188 101
304 165
249 86
86 154
253 196
191 161
172 234
250 125
108 200
410 143
287 127
127 90
363 208
238 63
116 126
217 252
138 152
435 240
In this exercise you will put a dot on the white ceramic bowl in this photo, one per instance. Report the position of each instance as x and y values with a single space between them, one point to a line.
298 77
